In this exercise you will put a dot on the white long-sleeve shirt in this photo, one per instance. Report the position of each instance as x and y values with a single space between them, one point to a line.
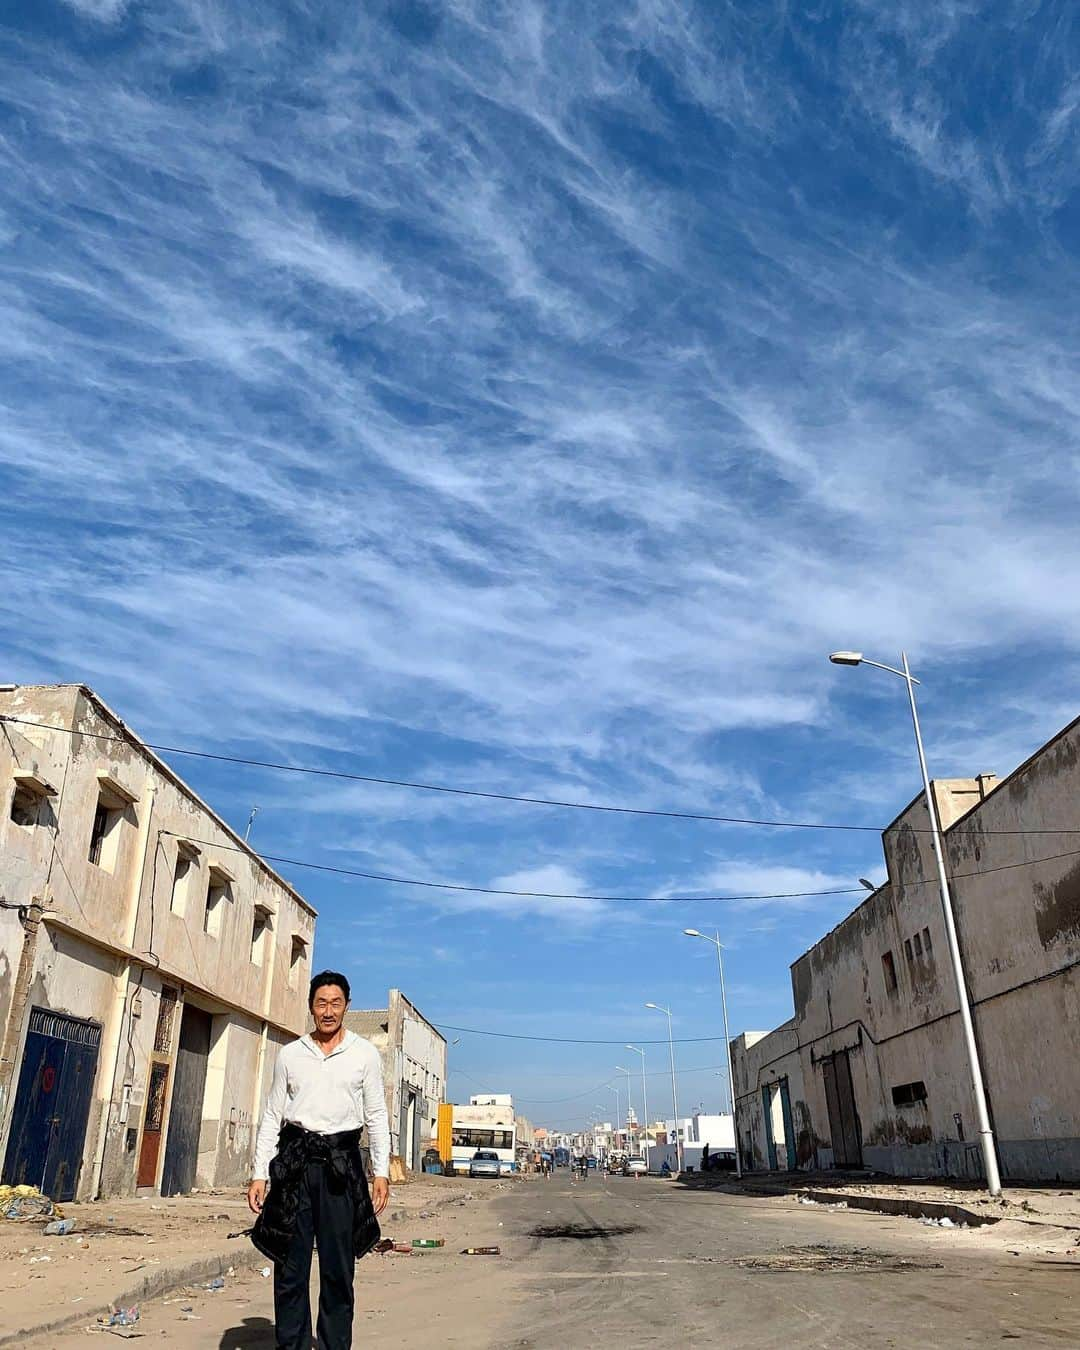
327 1094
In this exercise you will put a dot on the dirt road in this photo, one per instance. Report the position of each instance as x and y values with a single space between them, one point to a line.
645 1262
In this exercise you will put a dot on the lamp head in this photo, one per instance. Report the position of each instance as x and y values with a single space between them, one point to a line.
653 1005
845 658
692 932
868 884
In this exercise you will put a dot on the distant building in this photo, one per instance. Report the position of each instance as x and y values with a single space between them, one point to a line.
154 964
871 1070
487 1124
414 1072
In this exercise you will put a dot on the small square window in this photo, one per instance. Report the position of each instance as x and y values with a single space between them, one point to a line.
218 890
297 959
25 806
888 966
260 929
105 836
181 881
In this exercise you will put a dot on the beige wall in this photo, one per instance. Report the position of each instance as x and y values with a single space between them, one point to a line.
1018 918
114 932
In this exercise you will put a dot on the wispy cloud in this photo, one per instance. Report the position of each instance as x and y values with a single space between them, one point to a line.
530 399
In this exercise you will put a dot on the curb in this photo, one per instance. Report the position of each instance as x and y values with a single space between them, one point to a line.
911 1209
158 1282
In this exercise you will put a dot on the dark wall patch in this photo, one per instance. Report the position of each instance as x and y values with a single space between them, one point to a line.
1057 909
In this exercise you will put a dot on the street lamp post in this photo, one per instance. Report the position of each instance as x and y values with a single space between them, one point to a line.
674 1095
644 1100
986 1134
629 1145
693 932
613 1087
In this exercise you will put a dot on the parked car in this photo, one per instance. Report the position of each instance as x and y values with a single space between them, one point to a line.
635 1167
484 1164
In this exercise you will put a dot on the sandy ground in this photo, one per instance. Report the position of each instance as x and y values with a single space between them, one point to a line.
396 1293
642 1263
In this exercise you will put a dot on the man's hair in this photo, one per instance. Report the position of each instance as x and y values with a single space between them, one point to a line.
327 977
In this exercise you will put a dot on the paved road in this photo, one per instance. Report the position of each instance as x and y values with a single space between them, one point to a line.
643 1262
657 1264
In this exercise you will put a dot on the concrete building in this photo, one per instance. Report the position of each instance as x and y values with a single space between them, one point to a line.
150 963
414 1072
871 1070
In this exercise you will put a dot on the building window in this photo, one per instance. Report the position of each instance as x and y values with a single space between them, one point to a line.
888 966
926 941
218 890
181 879
916 942
260 929
907 951
30 800
103 836
909 1094
25 806
296 962
166 1010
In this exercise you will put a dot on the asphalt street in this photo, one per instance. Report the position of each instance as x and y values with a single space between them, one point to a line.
644 1262
647 1262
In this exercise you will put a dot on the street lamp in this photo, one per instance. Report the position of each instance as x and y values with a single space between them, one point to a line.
644 1100
674 1096
986 1134
629 1147
613 1087
693 932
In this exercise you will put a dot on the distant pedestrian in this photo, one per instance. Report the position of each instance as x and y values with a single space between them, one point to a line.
327 1088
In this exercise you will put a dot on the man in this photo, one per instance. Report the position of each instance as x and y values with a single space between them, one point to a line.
327 1087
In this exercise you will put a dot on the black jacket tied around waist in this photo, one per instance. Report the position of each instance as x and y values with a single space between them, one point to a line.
339 1154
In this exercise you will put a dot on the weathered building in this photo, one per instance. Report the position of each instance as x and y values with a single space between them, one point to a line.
871 1070
150 963
414 1072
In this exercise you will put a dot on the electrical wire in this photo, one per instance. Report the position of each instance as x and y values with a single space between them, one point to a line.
492 890
494 796
559 895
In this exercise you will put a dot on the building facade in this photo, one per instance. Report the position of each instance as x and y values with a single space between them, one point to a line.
414 1073
871 1070
150 963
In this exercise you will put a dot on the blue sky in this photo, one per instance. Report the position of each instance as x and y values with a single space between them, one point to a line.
528 397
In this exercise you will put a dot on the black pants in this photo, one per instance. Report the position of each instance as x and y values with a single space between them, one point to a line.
326 1219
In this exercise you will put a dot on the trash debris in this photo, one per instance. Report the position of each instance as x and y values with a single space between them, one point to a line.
266 1272
19 1203
384 1245
120 1317
945 1222
35 1259
429 1242
402 1249
481 1251
59 1227
215 1284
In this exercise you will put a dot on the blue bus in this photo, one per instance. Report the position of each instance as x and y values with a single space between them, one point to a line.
562 1157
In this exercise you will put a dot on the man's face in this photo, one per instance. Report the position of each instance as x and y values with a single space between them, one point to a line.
328 1008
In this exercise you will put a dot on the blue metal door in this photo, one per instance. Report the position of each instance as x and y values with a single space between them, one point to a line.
52 1103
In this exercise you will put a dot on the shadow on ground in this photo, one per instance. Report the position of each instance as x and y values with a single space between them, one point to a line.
254 1333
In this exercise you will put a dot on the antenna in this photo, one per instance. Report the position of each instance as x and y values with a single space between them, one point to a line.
251 821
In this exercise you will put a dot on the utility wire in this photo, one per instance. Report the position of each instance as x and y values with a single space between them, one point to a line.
495 796
559 895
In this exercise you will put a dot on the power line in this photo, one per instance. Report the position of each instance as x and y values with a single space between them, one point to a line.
568 1040
495 796
493 890
558 895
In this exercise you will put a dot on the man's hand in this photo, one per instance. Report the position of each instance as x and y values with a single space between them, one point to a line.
380 1194
256 1196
